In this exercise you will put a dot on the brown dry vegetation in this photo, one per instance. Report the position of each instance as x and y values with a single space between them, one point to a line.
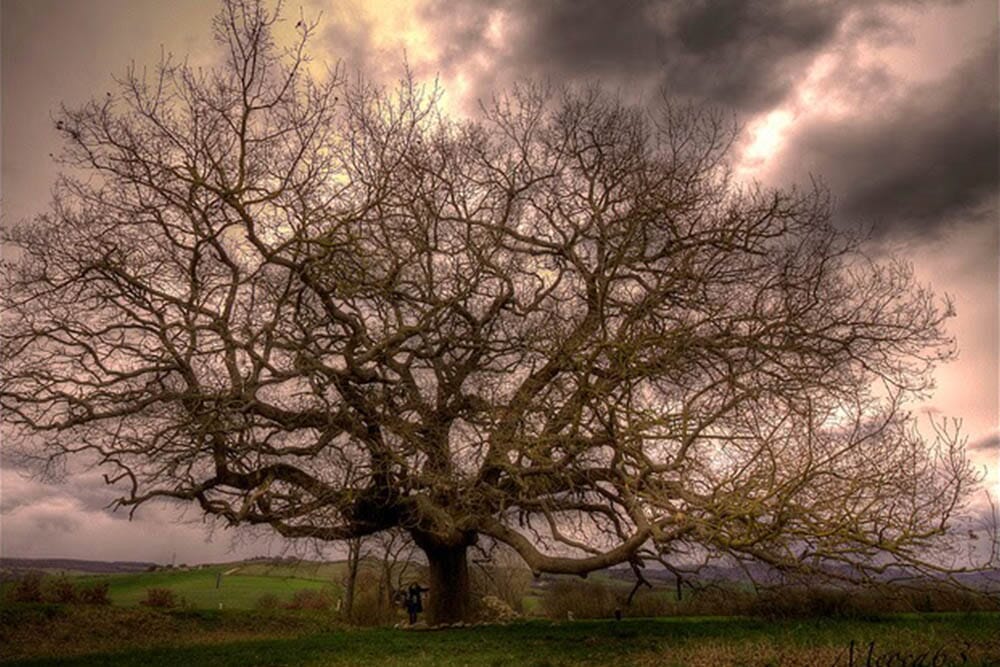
63 630
899 651
594 599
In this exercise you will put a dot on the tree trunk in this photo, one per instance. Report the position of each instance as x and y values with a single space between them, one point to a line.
449 598
353 561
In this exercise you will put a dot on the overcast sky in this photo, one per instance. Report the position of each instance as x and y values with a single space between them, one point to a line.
894 105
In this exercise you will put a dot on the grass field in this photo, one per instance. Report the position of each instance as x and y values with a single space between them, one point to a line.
239 587
203 633
237 590
149 638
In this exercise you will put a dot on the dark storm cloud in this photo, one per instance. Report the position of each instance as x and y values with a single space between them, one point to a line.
907 161
742 54
747 54
922 160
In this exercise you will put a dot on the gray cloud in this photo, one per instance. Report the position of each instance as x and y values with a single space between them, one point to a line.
53 517
84 490
745 54
990 443
69 518
349 39
907 158
918 162
741 54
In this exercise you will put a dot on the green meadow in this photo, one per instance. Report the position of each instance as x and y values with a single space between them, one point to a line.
240 586
138 637
205 589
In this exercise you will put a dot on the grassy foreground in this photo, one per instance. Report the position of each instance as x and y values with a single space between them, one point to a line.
49 635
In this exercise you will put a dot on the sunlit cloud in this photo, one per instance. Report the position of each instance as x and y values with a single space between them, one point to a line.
766 140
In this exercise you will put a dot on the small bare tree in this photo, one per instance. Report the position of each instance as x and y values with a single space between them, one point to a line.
351 578
500 573
390 555
327 308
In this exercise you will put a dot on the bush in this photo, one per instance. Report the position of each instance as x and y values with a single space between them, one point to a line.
267 601
492 609
27 589
867 602
372 609
652 604
309 598
717 600
581 599
707 601
58 590
797 602
95 594
506 582
62 590
940 597
163 598
372 604
592 600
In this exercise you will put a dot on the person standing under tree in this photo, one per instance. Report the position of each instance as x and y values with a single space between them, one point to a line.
414 602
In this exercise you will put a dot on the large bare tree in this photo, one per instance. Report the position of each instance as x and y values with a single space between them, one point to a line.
328 308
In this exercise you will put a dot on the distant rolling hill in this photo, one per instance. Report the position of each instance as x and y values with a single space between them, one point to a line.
15 565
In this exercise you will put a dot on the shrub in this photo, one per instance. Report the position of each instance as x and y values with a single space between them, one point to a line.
651 604
506 582
581 599
867 602
267 601
163 598
28 588
372 605
717 600
62 590
492 609
372 608
95 594
939 597
706 601
309 598
796 602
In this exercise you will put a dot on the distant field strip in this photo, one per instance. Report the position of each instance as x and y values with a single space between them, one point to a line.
237 588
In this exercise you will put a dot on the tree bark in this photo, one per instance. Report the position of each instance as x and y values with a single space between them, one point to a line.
449 599
353 561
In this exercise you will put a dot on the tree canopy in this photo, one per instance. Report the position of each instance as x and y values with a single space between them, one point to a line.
331 308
